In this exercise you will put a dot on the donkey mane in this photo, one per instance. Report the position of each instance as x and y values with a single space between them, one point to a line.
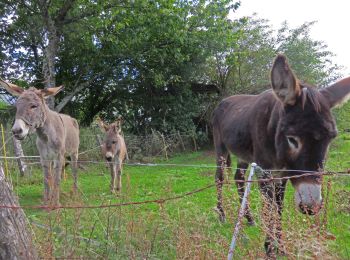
310 95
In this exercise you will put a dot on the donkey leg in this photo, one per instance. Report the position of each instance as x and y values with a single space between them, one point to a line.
119 178
74 162
219 179
269 212
239 178
228 166
113 175
57 169
47 180
119 174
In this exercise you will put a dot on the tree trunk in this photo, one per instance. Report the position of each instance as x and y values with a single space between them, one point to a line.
19 153
15 238
51 36
50 53
53 32
99 142
69 97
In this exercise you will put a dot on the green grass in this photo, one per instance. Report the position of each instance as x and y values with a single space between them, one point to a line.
183 228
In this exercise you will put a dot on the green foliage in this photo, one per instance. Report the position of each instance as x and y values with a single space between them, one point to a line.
138 59
3 105
309 58
342 116
245 64
6 113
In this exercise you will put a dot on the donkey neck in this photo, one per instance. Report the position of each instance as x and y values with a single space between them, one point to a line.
49 127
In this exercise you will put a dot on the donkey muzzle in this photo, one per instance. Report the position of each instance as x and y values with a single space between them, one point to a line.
20 129
308 198
109 156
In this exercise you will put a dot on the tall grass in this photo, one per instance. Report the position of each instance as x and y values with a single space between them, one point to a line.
187 228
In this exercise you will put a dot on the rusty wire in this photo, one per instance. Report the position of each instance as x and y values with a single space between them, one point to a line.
157 201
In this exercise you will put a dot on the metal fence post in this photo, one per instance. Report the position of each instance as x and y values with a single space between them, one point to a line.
241 212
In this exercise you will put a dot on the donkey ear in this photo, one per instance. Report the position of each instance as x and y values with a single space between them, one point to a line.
119 122
116 127
338 93
283 81
48 92
102 125
11 88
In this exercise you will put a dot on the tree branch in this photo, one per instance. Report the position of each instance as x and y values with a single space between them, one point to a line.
69 97
62 13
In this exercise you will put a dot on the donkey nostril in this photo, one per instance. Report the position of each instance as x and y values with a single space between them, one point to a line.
307 210
17 131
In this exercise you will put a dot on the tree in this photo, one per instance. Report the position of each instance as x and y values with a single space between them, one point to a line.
33 33
160 50
141 59
246 63
309 58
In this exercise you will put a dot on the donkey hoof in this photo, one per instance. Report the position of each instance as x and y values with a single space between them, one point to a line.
222 216
281 251
251 223
115 191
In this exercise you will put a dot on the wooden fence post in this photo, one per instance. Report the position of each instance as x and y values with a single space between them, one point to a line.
15 238
19 153
99 141
165 146
181 141
194 142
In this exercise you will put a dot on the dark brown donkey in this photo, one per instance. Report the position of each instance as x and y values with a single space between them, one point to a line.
287 127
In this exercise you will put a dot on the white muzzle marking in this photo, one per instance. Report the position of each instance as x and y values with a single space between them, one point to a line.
20 129
308 197
109 155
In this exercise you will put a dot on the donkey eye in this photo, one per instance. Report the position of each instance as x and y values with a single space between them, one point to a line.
317 137
293 141
114 142
33 106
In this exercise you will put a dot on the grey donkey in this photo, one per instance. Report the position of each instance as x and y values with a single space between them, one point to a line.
114 150
57 134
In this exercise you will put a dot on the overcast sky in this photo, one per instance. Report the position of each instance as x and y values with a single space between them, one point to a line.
332 27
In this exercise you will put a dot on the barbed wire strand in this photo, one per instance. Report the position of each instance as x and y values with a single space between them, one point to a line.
102 162
111 205
159 200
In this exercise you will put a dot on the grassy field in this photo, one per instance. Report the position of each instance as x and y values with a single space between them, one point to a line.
187 228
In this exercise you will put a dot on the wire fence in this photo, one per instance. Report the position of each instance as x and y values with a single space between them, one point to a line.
138 146
104 212
271 179
160 201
